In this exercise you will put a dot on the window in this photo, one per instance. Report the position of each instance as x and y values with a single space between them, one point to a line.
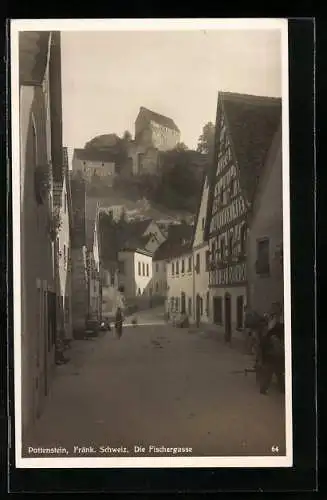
177 304
197 263
221 197
139 266
243 239
172 268
189 264
139 291
121 267
172 303
177 267
262 263
190 306
230 245
157 286
147 269
207 259
143 269
201 306
232 188
222 248
183 266
213 248
157 267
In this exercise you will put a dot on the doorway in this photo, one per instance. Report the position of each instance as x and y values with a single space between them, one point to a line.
239 312
183 303
228 318
217 310
198 310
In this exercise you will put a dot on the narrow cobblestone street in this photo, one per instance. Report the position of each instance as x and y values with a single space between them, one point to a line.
161 386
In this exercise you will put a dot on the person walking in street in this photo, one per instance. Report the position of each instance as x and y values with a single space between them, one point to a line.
119 323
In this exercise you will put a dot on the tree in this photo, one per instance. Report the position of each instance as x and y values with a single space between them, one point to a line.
207 139
127 136
180 146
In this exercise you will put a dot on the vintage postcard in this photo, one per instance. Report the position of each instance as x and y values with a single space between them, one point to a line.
151 239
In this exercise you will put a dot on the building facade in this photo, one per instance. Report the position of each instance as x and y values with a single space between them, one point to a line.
79 256
135 273
143 158
156 130
265 239
94 274
94 166
245 126
40 150
62 206
159 277
201 259
180 281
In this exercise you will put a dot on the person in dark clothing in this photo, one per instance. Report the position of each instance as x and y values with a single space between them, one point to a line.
119 323
272 356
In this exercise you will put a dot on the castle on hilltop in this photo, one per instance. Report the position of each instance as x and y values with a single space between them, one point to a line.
154 134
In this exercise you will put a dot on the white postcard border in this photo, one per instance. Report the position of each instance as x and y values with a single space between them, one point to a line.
147 25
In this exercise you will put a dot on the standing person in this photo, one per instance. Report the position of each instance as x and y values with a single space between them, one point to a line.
273 355
119 323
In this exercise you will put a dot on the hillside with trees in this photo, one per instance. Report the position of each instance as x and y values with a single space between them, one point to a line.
176 185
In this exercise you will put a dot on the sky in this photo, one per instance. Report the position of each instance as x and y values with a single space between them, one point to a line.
108 75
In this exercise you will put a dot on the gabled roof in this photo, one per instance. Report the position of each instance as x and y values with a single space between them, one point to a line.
160 119
127 236
269 165
251 122
179 241
136 243
205 176
94 155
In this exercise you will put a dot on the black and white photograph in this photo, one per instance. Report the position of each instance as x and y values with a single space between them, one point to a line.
151 243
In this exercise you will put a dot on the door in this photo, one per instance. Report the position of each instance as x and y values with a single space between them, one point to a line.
198 310
217 310
228 318
183 303
239 311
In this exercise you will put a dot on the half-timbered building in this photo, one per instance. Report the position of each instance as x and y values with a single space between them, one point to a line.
245 127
